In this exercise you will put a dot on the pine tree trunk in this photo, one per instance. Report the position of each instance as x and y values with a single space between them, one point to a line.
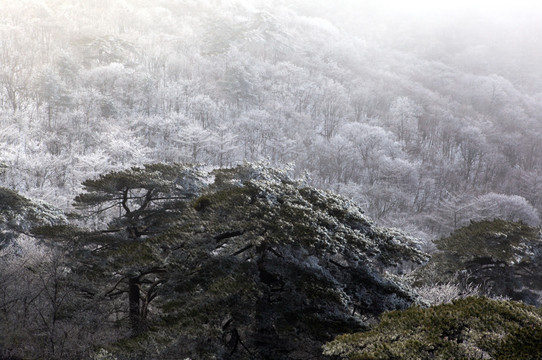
134 312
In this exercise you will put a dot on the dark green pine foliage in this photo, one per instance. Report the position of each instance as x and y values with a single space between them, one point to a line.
248 265
471 328
504 258
524 343
139 200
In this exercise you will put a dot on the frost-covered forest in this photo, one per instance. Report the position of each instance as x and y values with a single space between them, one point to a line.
165 167
425 123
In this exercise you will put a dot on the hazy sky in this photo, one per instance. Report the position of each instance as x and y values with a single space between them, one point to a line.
502 7
425 11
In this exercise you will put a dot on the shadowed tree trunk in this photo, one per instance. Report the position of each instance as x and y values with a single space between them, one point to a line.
134 300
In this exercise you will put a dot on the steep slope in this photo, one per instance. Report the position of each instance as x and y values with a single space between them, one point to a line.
257 266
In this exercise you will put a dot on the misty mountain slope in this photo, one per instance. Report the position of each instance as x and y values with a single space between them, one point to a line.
421 140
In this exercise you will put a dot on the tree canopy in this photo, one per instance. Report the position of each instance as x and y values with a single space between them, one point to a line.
501 257
239 262
144 197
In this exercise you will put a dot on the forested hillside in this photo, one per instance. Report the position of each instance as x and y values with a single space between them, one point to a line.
424 129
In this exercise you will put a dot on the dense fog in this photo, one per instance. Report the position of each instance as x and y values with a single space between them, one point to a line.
428 116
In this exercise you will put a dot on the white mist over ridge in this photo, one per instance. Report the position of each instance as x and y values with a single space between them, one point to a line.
427 117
